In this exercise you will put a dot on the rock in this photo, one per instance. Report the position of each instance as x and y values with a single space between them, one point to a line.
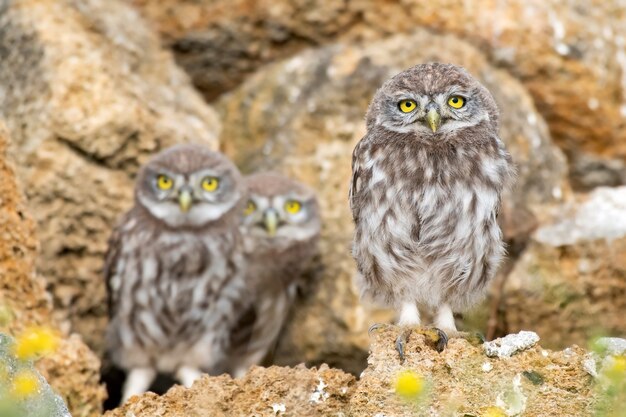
72 370
262 392
88 95
304 116
506 346
612 345
551 46
534 382
570 284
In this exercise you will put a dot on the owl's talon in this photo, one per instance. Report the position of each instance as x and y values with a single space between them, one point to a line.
435 336
401 343
442 342
374 327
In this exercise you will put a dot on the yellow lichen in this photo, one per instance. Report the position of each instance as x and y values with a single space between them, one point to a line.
493 412
25 384
618 367
409 385
35 342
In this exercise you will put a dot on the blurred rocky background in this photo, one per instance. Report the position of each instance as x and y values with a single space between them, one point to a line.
89 89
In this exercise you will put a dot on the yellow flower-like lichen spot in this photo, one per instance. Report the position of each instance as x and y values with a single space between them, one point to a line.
409 385
35 342
617 369
493 412
25 384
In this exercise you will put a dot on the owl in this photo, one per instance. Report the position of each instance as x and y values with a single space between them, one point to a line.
427 180
280 229
175 269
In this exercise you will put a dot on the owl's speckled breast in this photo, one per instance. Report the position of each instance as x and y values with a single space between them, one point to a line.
177 297
426 228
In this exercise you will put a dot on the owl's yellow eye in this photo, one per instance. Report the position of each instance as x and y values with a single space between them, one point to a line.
407 106
293 206
164 182
210 184
250 208
456 102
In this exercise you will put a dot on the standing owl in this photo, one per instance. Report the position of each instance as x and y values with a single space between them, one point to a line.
280 229
174 268
427 180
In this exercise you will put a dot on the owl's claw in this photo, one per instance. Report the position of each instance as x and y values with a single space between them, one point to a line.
434 336
375 327
437 337
401 340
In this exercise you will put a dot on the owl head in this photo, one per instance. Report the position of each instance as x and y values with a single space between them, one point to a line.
189 185
279 210
432 99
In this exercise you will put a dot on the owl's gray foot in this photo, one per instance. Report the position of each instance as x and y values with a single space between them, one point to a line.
434 336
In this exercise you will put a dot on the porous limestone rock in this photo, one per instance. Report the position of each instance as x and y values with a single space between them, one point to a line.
569 54
570 284
88 95
304 115
73 370
273 391
533 383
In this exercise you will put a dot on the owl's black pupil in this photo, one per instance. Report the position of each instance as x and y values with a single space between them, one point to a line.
455 100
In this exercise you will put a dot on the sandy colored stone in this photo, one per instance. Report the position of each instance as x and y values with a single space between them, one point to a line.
73 369
569 54
459 381
299 391
304 115
88 95
570 284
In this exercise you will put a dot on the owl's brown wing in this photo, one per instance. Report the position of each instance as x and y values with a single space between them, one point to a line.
241 334
110 267
111 261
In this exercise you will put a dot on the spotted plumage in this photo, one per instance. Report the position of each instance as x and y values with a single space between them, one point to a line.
280 228
427 182
174 268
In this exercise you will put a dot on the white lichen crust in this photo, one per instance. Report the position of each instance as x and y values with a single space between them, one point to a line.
506 346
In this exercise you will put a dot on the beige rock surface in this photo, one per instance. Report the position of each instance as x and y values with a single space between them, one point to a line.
262 392
569 54
73 370
459 381
304 116
88 95
570 284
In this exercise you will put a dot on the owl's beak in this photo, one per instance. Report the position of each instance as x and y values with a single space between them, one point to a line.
434 119
185 200
270 219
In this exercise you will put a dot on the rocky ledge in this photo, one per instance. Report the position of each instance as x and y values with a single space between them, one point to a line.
461 380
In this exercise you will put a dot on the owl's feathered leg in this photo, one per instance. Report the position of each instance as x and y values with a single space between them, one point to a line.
444 319
137 382
187 375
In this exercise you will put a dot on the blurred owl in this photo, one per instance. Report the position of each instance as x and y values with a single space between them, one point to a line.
427 180
175 269
280 229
